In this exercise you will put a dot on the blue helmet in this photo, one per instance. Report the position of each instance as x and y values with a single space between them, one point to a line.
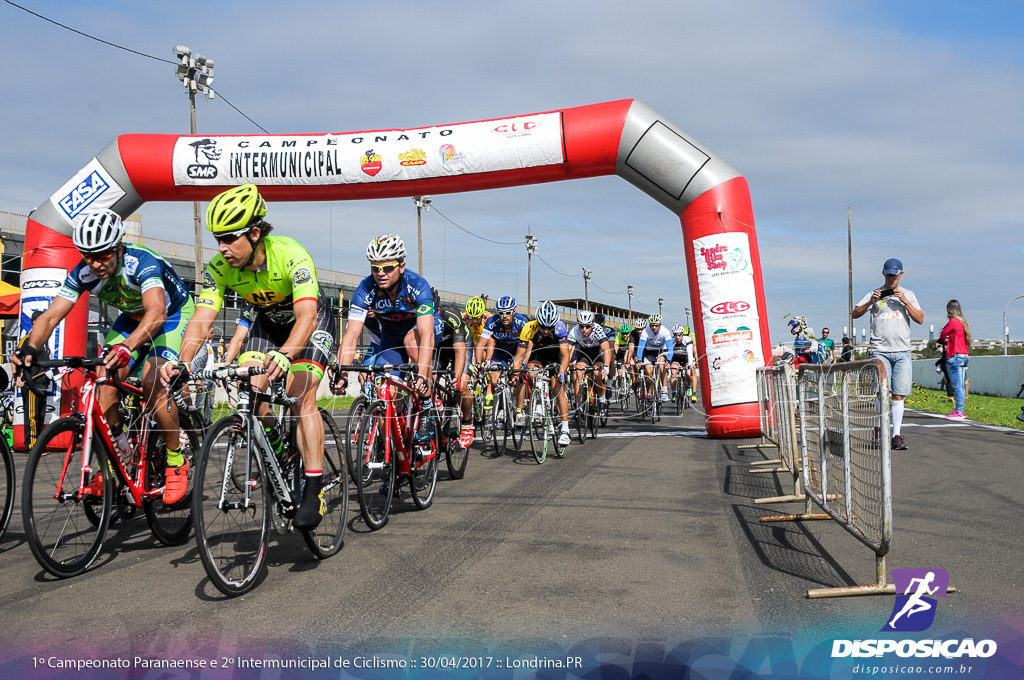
506 304
547 315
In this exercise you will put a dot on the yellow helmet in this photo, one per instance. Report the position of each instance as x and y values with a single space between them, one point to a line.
475 307
235 209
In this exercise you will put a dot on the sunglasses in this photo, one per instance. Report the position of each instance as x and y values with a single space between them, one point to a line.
586 325
96 258
229 238
505 313
386 268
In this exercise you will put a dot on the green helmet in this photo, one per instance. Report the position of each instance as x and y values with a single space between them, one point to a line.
625 328
235 210
475 307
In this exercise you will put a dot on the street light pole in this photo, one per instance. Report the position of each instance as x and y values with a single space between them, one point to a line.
422 203
196 74
629 292
661 303
1006 329
687 310
586 291
531 249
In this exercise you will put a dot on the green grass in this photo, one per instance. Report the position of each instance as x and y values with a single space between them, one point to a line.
332 404
992 410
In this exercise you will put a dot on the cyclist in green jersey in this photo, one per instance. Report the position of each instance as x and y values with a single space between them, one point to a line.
292 330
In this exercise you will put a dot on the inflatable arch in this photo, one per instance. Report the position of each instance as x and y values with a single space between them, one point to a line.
622 137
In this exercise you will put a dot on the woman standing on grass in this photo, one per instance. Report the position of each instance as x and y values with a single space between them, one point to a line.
957 336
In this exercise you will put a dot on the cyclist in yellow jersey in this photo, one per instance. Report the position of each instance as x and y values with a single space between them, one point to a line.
291 332
476 315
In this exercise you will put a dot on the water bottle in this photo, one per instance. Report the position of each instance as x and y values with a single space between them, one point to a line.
123 449
274 437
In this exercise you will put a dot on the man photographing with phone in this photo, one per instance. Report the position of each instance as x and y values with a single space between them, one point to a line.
892 309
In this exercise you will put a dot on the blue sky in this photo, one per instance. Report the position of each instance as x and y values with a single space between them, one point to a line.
906 112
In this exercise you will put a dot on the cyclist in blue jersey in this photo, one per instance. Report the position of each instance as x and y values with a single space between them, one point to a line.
402 301
499 341
656 348
155 307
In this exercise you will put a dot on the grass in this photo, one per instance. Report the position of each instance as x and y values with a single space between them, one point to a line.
330 403
992 410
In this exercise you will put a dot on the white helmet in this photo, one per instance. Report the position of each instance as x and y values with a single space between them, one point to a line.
640 324
97 232
585 318
547 314
386 247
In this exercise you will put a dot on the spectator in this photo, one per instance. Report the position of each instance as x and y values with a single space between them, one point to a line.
829 347
892 309
957 336
847 352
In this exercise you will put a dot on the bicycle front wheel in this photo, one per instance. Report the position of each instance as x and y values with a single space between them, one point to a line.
231 506
6 485
66 519
423 468
501 421
455 457
326 539
537 423
375 481
355 415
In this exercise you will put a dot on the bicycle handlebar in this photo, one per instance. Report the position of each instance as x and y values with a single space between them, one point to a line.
70 362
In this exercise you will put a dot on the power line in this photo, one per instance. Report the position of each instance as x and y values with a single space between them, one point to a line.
541 258
482 238
126 49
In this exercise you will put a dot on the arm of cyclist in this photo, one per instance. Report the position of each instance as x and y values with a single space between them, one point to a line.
609 356
565 349
277 362
196 331
235 343
460 362
425 350
42 327
347 353
668 349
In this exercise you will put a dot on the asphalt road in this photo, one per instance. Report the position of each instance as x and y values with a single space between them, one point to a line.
643 546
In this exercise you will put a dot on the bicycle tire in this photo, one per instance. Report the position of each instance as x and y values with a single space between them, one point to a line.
536 422
63 538
375 482
423 468
7 480
355 414
170 524
455 457
500 423
233 532
326 539
593 417
518 431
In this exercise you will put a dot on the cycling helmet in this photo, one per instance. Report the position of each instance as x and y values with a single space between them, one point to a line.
585 318
640 324
475 307
654 319
235 210
599 318
686 330
678 330
625 328
506 304
97 232
386 247
547 315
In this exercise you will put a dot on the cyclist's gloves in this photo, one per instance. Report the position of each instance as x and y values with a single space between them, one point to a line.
121 354
280 358
179 378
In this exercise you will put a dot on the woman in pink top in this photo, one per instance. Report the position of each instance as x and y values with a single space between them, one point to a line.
957 336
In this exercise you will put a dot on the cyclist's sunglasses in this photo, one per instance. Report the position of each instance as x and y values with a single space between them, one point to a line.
230 237
586 325
97 258
386 268
505 313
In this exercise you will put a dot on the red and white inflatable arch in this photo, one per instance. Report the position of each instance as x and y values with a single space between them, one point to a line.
623 137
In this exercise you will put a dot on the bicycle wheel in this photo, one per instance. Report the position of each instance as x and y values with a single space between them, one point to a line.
375 482
455 457
231 506
6 485
56 509
423 467
172 523
355 414
518 431
536 423
501 421
326 539
593 417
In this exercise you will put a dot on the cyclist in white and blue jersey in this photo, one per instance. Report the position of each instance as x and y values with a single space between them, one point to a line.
499 342
402 302
655 347
155 307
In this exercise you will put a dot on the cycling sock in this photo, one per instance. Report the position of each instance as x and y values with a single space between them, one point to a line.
565 426
897 416
174 458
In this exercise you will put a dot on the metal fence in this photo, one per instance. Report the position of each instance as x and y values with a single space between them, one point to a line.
777 406
844 457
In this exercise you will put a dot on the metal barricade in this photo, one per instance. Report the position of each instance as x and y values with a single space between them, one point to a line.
844 443
777 406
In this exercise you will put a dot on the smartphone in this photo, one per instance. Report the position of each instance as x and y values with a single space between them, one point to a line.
886 292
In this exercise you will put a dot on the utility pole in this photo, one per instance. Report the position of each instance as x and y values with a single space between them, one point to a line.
531 249
661 303
422 203
586 292
196 73
629 292
849 266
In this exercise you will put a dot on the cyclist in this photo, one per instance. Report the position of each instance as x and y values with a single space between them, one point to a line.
542 342
592 348
655 348
631 363
155 305
475 316
682 357
450 336
402 302
499 341
291 331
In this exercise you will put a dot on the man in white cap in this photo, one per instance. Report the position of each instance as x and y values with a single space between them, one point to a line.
892 308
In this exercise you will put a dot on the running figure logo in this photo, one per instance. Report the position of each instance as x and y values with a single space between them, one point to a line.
914 610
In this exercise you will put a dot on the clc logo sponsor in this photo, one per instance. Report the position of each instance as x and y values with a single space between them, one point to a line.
515 128
731 307
83 194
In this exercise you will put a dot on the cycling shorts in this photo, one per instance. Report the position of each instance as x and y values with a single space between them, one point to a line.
589 355
166 343
651 356
265 335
